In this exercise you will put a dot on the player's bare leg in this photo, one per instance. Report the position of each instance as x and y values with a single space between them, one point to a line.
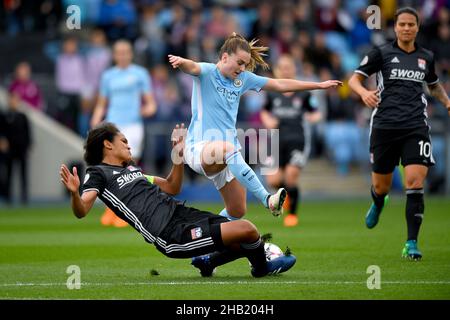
381 185
234 196
218 154
242 239
291 178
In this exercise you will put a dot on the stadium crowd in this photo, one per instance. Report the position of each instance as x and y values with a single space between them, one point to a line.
327 38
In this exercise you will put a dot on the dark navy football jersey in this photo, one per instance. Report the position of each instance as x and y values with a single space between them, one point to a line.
132 196
289 111
401 77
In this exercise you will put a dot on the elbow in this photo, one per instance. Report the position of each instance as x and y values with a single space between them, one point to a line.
80 215
174 190
278 87
351 83
354 82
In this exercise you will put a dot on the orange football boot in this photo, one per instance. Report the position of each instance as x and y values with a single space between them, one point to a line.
108 217
119 223
291 220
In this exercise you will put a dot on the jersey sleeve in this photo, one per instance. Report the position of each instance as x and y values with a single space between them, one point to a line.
311 103
94 180
206 68
254 82
371 63
431 77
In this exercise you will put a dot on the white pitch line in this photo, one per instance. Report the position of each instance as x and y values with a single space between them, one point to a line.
190 283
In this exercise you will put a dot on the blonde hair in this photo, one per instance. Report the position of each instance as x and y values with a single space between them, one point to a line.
236 41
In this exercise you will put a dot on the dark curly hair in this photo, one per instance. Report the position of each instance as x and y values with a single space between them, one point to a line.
93 149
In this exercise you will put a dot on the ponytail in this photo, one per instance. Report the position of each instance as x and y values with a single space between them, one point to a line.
257 53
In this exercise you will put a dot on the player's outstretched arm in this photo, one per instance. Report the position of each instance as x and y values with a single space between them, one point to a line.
370 98
149 108
173 182
80 205
437 91
290 85
99 111
268 120
185 65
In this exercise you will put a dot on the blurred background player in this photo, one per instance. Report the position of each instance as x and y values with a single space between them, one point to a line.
126 98
16 130
399 128
70 81
25 87
284 111
215 101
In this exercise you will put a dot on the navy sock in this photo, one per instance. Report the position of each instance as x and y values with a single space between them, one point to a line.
255 254
378 200
294 196
219 258
415 209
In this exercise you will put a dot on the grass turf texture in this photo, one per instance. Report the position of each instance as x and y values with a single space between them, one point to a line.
331 243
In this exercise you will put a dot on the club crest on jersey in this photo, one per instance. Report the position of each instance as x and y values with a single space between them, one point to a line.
421 63
131 168
297 102
237 83
196 233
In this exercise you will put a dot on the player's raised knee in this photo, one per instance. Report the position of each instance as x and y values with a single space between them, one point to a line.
237 210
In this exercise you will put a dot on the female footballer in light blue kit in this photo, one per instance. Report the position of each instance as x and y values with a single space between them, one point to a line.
123 88
212 147
126 98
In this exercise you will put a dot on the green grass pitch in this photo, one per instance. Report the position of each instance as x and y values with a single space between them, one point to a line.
332 245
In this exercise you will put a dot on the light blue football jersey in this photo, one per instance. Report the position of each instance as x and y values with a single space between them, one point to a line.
215 104
124 89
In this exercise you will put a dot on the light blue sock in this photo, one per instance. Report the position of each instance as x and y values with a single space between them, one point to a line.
225 214
246 176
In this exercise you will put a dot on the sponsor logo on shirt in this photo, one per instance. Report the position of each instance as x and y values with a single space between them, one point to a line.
127 178
228 94
395 60
196 233
406 74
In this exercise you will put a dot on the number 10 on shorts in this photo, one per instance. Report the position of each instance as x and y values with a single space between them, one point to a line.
425 148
